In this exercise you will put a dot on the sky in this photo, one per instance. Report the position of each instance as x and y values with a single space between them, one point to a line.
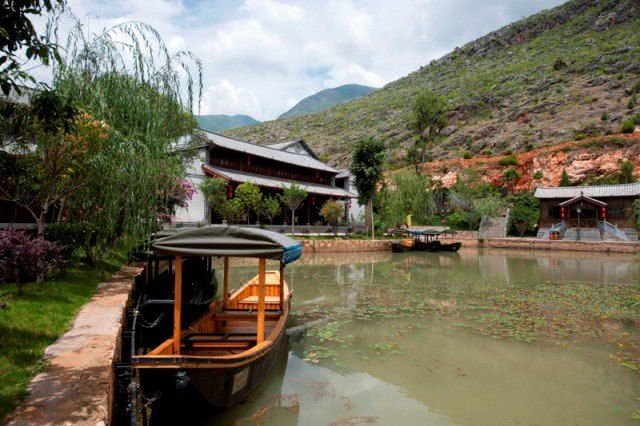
261 57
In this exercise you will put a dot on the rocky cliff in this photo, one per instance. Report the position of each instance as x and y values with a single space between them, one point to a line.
585 162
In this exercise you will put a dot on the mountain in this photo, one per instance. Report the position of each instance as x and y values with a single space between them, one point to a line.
565 72
327 98
218 123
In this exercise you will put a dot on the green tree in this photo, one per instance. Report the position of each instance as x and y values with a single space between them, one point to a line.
409 193
17 34
486 208
471 199
231 211
215 193
55 155
524 212
271 208
333 212
292 197
511 177
626 172
428 121
250 197
366 167
564 179
126 78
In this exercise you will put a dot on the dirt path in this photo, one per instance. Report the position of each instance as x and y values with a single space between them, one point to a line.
76 386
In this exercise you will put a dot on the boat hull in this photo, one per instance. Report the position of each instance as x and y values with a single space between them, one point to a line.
225 387
451 247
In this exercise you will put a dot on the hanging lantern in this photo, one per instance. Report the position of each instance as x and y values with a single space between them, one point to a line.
562 213
603 213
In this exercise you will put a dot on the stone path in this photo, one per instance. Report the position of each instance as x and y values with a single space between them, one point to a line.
76 386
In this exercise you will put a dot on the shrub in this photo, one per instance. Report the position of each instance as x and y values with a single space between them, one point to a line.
508 151
68 236
467 155
604 116
632 101
636 119
636 88
538 175
24 259
509 160
628 127
333 212
559 64
580 136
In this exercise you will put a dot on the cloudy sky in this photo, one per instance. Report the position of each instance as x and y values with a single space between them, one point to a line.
262 56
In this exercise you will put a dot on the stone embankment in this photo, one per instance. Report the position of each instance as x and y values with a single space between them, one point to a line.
470 239
77 386
342 246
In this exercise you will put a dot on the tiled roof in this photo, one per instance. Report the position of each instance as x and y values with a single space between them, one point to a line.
271 182
268 152
622 190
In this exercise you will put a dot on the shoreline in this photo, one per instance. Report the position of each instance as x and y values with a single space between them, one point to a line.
348 245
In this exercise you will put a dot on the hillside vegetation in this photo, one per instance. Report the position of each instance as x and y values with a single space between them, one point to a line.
218 123
327 98
558 74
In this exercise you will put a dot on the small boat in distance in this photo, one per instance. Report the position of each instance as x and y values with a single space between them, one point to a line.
423 240
230 348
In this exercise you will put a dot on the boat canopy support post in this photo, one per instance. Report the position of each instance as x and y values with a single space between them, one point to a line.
225 288
262 266
281 286
177 306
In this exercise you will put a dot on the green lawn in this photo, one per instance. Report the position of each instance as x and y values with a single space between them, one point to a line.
33 321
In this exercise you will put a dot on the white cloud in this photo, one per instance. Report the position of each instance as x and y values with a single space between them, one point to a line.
261 56
225 98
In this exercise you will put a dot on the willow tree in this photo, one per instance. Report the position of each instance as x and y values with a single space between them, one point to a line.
126 77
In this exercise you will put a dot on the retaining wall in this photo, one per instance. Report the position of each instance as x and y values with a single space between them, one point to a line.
470 239
77 386
341 246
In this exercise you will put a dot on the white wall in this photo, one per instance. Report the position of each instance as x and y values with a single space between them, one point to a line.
196 210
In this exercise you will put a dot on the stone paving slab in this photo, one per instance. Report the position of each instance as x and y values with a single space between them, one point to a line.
76 387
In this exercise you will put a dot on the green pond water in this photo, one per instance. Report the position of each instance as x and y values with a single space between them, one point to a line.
413 339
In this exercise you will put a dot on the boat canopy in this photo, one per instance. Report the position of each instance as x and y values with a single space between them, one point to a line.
234 241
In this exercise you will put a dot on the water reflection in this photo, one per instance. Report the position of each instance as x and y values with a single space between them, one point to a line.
419 369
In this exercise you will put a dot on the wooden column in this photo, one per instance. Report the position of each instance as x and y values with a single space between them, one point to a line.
225 285
261 291
281 286
177 306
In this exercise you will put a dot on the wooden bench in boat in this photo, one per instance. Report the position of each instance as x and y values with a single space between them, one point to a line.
246 315
267 299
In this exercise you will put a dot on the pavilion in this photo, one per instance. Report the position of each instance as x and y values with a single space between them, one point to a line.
588 212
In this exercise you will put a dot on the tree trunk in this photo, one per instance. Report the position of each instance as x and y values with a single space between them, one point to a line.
41 228
368 221
293 222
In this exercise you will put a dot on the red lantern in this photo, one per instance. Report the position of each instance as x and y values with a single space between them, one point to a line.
562 213
603 213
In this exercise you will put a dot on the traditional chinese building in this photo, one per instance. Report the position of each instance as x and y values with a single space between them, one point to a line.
588 212
272 168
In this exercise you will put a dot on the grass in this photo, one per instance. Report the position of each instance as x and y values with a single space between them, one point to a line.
33 321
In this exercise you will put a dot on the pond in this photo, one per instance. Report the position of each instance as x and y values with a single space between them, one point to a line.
476 337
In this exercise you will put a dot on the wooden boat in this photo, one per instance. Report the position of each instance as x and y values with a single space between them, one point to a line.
227 351
423 240
453 245
414 240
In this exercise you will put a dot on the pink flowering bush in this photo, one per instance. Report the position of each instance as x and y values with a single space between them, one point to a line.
177 194
24 258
